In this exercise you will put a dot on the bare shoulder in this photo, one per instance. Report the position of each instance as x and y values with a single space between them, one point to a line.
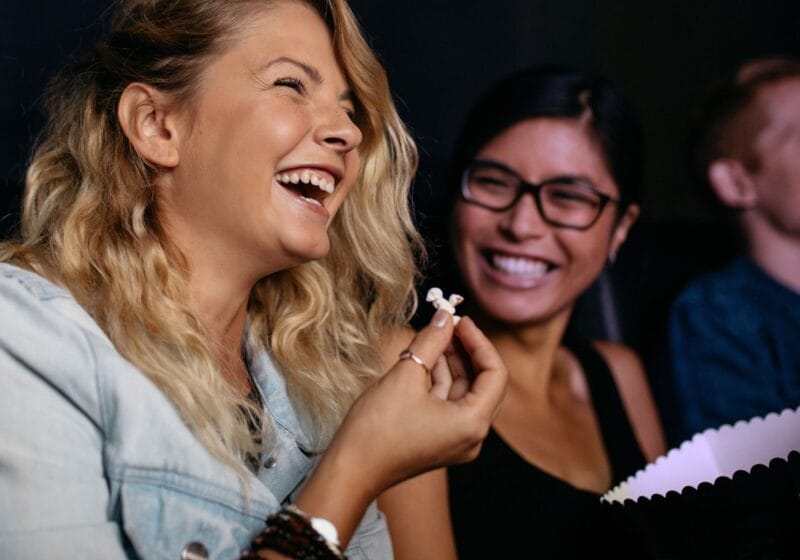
393 342
631 381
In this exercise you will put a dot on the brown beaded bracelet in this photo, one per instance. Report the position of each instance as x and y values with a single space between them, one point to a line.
290 532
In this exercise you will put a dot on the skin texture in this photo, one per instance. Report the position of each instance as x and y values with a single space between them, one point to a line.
546 414
221 205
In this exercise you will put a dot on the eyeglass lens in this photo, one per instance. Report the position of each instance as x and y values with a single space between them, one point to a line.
561 201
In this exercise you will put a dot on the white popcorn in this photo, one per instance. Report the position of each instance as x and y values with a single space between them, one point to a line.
436 297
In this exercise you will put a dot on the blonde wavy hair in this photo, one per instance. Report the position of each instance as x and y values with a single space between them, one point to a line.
89 223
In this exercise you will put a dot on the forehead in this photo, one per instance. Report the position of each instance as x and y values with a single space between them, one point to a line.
780 101
776 117
286 28
541 147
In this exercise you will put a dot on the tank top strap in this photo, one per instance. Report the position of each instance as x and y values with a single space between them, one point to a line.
623 450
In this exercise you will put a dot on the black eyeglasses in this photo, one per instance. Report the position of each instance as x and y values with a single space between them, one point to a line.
567 202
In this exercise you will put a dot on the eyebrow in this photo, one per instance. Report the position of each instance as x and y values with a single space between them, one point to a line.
502 167
312 73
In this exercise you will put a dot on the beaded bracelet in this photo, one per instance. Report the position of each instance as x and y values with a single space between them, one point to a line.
290 532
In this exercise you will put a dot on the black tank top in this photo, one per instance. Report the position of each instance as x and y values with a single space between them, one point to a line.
504 507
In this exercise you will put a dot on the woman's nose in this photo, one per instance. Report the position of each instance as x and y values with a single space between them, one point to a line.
524 219
338 131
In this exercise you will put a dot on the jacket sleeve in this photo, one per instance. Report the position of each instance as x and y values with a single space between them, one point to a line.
53 492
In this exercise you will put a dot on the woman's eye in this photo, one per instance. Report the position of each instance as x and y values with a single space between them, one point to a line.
292 83
491 182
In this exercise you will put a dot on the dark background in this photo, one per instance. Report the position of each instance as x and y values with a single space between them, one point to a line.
441 54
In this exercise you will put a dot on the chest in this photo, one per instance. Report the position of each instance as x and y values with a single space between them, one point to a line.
564 441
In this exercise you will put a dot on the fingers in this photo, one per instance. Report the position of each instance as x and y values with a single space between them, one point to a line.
431 342
441 379
460 370
489 385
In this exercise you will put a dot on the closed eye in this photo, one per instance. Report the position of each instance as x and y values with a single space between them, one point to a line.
351 114
570 194
490 181
294 83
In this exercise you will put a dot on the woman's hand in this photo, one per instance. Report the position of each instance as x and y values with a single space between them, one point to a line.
403 426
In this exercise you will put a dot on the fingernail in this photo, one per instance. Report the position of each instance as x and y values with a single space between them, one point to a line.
440 318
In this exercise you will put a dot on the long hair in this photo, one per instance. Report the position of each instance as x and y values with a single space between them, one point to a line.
89 223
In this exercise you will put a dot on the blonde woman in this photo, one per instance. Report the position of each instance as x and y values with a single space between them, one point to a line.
214 248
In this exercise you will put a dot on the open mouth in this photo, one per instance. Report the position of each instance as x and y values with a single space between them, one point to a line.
518 267
312 185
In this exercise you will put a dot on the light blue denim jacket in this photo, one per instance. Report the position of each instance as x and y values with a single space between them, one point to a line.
95 462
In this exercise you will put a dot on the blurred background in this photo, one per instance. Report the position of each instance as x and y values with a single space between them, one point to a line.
440 55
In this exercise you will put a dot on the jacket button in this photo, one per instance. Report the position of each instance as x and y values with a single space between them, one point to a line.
270 462
194 551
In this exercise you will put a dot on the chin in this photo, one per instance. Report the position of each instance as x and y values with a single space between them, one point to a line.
306 250
515 312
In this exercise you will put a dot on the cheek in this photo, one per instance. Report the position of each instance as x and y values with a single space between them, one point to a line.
588 252
352 168
348 183
272 131
470 224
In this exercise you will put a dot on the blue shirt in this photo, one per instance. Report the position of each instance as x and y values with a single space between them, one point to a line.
95 461
734 347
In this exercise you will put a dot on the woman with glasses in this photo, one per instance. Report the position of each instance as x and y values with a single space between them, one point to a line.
543 193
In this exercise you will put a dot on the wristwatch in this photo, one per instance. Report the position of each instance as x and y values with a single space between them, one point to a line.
326 529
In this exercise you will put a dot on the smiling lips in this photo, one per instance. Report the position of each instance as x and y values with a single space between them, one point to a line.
520 267
309 183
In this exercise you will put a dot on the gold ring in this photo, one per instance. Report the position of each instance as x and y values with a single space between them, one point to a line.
407 354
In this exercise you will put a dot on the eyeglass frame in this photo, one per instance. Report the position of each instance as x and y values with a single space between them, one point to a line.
534 189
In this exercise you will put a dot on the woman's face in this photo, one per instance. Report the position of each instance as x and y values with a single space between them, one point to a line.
519 268
268 151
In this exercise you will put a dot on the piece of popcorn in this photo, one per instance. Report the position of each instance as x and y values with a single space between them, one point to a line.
436 297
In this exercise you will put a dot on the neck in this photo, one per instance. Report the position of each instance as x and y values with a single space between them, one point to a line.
530 353
222 305
776 252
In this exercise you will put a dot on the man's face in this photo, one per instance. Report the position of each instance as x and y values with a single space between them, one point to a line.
776 179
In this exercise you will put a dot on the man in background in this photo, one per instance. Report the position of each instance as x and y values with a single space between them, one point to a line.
734 335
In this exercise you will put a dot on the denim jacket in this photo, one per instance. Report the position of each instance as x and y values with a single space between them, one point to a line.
95 461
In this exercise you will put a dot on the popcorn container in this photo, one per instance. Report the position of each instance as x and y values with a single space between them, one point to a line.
727 493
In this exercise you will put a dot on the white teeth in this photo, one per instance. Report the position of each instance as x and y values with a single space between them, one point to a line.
308 177
519 266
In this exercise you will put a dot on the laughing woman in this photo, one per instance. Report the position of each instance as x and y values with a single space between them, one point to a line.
214 243
543 192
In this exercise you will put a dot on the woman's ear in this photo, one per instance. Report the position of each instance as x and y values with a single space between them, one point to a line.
731 182
621 229
149 124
